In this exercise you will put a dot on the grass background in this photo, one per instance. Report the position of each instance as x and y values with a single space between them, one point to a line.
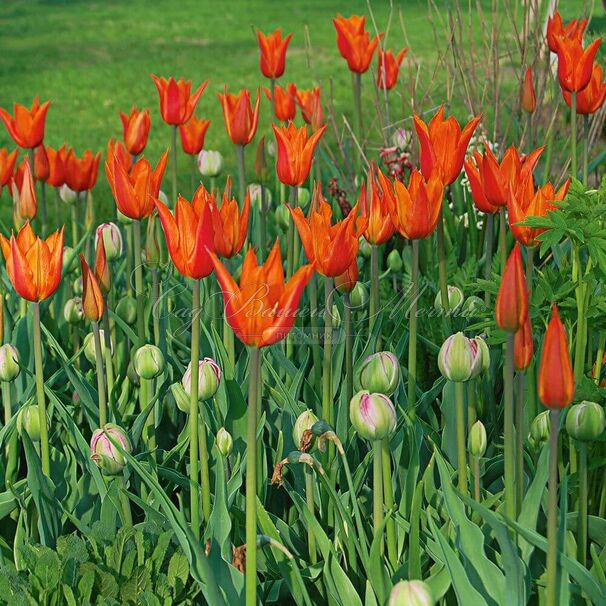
94 58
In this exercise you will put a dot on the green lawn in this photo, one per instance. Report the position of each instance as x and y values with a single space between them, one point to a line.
94 58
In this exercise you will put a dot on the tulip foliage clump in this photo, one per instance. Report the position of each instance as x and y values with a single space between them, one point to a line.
373 376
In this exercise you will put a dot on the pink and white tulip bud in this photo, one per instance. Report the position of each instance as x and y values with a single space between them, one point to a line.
455 300
104 453
112 238
182 398
69 196
411 593
9 363
209 379
380 373
210 163
373 415
460 358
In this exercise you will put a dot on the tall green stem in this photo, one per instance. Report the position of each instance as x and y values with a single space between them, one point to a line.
508 430
388 497
73 209
327 403
155 300
573 134
193 412
230 347
374 287
520 433
263 223
39 371
127 516
583 503
139 284
552 512
315 330
579 346
597 369
129 258
100 375
173 151
412 331
348 349
359 125
442 273
585 148
309 497
204 471
477 480
43 206
503 238
11 446
489 236
290 250
461 442
149 429
241 172
377 485
109 365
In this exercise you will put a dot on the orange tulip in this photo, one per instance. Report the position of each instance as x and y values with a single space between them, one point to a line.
230 226
27 127
525 202
81 173
512 298
41 168
417 207
377 205
592 97
575 63
490 181
262 309
177 104
33 265
284 102
555 28
24 195
241 120
556 379
523 346
102 273
388 68
272 49
192 135
135 193
135 129
56 165
330 248
347 281
443 145
354 42
295 151
189 233
528 100
311 107
117 150
93 305
7 165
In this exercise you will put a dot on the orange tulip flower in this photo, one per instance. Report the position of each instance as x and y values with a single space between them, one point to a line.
102 273
330 248
490 181
443 145
177 103
230 225
525 202
81 173
311 107
262 309
7 165
33 265
354 42
377 205
135 193
528 98
388 68
575 63
284 102
523 346
555 27
192 134
295 151
417 207
189 233
241 120
592 97
24 196
56 165
512 298
93 305
117 150
41 167
27 127
272 49
556 379
135 129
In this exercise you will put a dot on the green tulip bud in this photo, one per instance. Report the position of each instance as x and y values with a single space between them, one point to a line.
182 398
380 373
256 196
394 261
28 419
303 196
77 287
455 300
210 163
472 307
126 309
224 442
103 452
9 363
585 421
358 296
72 310
89 346
123 218
305 421
70 260
540 428
373 415
365 248
411 593
68 195
460 358
209 379
335 317
148 361
476 441
282 216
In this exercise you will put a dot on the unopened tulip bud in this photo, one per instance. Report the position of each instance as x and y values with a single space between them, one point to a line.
69 196
460 358
455 300
394 261
373 415
271 148
540 428
402 138
305 421
123 218
380 373
89 346
528 100
347 281
282 217
512 299
70 260
148 361
224 442
182 398
365 248
9 363
153 246
411 593
112 238
472 307
476 441
72 310
303 196
209 379
257 192
485 356
77 286
335 317
358 296
210 163
28 420
126 309
104 453
585 421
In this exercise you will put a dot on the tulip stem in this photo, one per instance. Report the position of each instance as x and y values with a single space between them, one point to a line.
573 133
327 403
508 430
442 273
43 206
193 412
173 151
357 93
348 349
263 223
194 165
309 495
241 172
73 209
315 330
127 516
39 370
100 375
597 369
579 351
129 258
290 250
529 268
109 367
11 446
155 306
228 342
585 149
412 333
520 433
251 478
477 481
489 236
204 472
139 283
503 238
377 486
583 498
461 445
552 511
388 497
374 289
